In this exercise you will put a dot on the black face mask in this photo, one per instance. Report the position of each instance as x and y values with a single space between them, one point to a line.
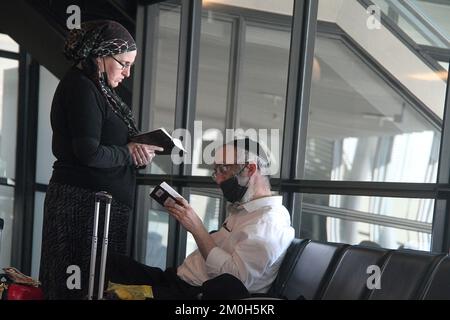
232 190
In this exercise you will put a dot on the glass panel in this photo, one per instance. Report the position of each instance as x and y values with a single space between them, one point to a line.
445 65
162 108
213 86
7 214
403 208
420 22
279 6
45 158
367 234
364 125
207 203
436 13
155 224
413 31
426 22
389 222
163 105
262 91
8 44
39 198
9 82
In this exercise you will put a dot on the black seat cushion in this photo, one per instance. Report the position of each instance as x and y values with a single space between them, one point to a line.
439 285
289 261
321 270
404 275
349 280
311 270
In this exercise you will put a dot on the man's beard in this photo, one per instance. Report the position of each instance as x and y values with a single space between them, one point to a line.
248 195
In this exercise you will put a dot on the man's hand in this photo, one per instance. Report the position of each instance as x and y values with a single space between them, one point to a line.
183 212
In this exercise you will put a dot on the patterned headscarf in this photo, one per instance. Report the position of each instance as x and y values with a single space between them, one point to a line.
102 38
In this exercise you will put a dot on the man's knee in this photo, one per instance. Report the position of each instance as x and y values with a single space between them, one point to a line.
225 286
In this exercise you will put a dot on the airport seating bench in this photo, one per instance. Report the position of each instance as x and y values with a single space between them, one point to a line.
331 271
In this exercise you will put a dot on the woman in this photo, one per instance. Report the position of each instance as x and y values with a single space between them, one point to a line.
92 127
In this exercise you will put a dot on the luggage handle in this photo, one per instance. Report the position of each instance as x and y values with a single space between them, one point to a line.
102 196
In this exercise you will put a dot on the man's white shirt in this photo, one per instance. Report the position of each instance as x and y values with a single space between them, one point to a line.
250 245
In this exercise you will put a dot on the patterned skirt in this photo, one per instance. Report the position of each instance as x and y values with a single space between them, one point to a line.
67 237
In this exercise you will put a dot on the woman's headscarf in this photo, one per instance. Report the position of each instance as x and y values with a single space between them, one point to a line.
102 38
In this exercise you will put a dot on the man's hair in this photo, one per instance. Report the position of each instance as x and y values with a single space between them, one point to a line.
248 150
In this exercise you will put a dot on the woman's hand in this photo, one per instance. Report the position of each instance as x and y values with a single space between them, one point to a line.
142 154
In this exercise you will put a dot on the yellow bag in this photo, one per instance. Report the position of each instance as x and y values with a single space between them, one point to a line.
130 292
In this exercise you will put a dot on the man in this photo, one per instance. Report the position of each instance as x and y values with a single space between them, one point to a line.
251 243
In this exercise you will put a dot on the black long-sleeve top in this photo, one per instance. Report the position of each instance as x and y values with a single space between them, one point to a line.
90 140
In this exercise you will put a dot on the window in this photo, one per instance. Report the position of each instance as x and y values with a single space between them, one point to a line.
207 203
388 222
164 83
7 214
152 249
45 158
363 129
9 81
39 198
214 87
8 44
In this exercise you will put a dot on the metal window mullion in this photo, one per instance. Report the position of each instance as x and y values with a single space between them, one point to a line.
370 189
7 182
148 84
9 55
135 245
22 236
147 23
40 187
439 54
440 238
181 181
191 13
298 99
355 188
234 76
235 72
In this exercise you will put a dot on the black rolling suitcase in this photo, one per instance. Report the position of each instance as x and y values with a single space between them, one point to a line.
107 199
